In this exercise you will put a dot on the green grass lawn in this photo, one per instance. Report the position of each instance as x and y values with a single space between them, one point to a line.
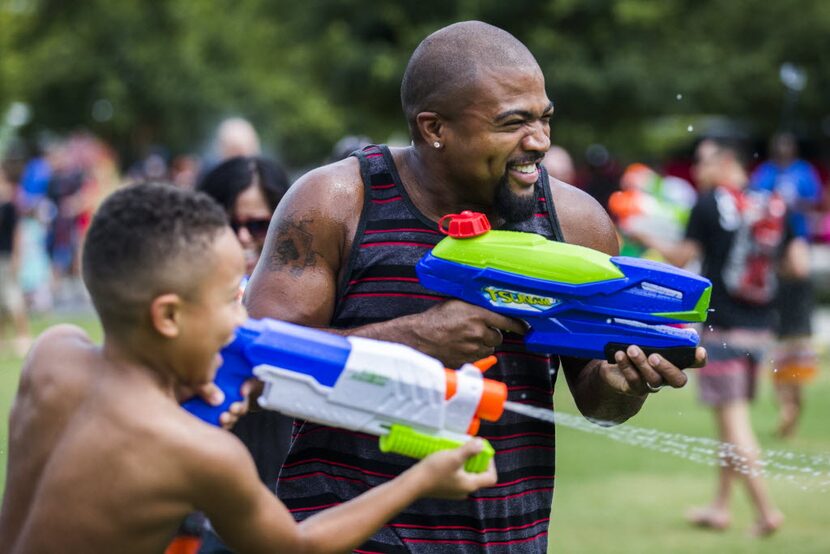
613 497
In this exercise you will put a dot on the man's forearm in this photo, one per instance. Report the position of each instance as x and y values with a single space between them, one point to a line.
596 399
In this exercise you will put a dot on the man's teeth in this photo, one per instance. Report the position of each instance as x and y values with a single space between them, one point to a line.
526 168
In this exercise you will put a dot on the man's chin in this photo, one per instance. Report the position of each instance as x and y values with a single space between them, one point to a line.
515 203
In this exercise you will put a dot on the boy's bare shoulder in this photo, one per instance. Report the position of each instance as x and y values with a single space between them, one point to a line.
63 353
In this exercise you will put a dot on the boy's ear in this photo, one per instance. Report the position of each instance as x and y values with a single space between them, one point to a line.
165 314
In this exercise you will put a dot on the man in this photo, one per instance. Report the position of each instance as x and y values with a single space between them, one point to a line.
559 164
795 359
12 304
341 253
742 240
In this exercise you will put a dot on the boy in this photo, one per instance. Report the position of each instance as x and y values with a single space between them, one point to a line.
103 459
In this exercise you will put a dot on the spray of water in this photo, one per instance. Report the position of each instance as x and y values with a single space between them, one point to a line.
807 471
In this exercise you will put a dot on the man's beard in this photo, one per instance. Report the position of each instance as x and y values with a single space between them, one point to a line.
512 207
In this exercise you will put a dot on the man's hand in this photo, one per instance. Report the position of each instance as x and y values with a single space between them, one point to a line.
456 332
636 375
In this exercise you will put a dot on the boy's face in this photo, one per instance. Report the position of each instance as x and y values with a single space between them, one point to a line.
209 320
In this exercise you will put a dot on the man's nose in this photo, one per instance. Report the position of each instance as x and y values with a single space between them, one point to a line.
538 138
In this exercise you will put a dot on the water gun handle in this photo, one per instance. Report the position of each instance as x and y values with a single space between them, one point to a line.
680 356
234 372
408 442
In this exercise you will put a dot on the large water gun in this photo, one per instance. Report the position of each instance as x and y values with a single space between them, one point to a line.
409 399
651 204
577 301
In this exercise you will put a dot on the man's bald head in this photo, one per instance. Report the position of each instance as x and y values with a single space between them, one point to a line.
449 62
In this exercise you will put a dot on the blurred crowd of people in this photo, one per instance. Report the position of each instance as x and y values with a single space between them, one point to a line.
48 196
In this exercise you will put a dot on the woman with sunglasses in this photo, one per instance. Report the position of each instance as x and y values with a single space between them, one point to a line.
249 188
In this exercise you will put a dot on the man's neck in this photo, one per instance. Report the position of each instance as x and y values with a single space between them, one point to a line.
430 187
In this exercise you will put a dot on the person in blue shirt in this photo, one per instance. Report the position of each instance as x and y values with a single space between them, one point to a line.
794 360
793 178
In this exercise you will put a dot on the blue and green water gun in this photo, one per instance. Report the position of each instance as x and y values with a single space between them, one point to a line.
577 301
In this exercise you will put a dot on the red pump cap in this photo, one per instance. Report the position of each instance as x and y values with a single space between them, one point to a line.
464 225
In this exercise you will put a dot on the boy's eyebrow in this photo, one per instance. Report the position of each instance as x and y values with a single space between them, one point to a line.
523 113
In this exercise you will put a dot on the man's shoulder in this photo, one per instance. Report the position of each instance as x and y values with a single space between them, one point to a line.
583 220
342 175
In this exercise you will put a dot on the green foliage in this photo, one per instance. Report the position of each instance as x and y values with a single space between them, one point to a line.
308 73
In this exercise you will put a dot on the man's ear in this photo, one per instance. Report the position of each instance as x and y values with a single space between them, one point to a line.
165 314
431 127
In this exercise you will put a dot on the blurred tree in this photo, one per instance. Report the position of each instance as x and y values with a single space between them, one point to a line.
632 74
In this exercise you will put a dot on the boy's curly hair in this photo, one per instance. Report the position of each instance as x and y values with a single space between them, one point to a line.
146 240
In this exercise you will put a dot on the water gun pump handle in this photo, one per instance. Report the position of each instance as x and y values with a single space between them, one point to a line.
680 356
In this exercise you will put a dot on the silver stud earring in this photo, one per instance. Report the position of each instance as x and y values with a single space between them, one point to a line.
436 144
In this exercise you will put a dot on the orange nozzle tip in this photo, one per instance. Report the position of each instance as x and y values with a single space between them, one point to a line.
486 363
493 397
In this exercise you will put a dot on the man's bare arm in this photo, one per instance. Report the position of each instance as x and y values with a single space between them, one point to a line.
307 247
606 392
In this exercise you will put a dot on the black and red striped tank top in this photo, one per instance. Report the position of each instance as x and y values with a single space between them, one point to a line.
327 466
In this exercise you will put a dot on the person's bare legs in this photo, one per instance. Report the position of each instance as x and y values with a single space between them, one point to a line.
717 516
737 430
739 459
19 319
789 407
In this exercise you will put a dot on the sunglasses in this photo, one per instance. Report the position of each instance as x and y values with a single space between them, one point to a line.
257 228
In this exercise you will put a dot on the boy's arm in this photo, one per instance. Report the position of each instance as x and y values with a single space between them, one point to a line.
251 519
